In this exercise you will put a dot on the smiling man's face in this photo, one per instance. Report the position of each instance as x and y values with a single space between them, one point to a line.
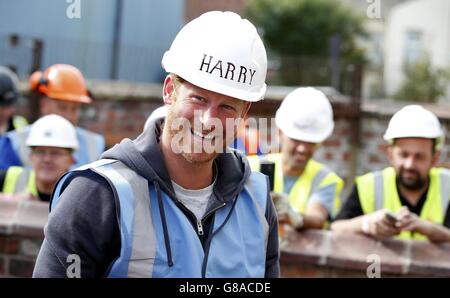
203 115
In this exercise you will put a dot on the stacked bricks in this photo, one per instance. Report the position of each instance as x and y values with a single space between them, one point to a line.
21 235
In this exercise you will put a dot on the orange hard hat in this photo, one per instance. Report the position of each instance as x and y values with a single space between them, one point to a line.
62 82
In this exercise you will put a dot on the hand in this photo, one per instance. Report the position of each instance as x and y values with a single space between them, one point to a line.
378 225
409 221
285 211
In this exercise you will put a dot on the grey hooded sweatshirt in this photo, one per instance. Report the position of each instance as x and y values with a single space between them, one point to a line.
85 220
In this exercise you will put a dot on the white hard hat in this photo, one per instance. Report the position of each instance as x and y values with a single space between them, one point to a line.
305 115
414 121
160 112
53 131
221 52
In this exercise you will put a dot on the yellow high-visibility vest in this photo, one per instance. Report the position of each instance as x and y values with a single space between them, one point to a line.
314 176
19 122
378 190
19 180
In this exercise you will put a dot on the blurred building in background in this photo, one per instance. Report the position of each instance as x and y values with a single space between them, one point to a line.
194 8
376 14
116 39
416 30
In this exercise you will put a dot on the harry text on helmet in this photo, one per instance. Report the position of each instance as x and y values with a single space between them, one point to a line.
210 64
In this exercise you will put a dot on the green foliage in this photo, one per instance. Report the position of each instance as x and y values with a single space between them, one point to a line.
304 27
298 32
423 83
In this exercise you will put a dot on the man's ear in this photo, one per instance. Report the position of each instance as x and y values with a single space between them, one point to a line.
168 90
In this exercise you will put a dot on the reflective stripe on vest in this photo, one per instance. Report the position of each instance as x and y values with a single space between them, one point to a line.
18 142
239 237
378 190
315 176
91 146
19 180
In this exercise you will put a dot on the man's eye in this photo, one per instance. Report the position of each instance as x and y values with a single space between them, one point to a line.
229 108
198 98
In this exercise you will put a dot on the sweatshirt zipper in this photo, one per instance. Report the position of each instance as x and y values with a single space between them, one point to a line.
200 222
199 227
200 230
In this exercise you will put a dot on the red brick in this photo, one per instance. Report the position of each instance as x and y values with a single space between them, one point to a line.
2 266
332 143
9 245
308 271
383 147
21 267
346 156
368 135
329 156
342 132
374 159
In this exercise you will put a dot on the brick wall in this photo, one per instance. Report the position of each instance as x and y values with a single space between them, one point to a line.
313 253
317 253
21 235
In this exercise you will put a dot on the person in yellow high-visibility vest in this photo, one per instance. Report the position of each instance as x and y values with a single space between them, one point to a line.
306 193
409 199
52 139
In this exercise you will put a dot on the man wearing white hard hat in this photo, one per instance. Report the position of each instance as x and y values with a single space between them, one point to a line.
306 192
409 199
159 207
52 140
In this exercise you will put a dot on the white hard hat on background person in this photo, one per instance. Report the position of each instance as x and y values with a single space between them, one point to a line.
414 121
221 52
160 112
305 115
53 131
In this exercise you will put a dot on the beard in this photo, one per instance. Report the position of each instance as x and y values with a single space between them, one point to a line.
185 145
415 183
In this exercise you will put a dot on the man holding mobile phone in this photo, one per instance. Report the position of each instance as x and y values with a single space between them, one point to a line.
306 193
410 199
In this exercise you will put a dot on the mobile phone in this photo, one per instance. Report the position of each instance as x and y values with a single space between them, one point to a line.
268 168
391 217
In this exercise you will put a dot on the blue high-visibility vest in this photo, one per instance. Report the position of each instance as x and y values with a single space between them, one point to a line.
238 241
